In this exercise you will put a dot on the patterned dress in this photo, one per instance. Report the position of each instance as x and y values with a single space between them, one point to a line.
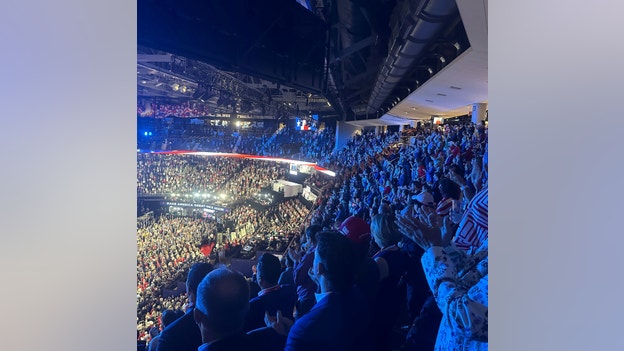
460 286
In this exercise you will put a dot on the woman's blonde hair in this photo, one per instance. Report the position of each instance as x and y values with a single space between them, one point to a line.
385 230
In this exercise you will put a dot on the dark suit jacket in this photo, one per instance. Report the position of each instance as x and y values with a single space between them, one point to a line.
339 321
306 287
282 299
264 339
287 277
181 335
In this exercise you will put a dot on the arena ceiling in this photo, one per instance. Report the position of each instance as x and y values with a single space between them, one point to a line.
359 61
174 79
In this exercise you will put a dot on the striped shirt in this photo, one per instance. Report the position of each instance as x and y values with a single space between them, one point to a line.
444 206
473 228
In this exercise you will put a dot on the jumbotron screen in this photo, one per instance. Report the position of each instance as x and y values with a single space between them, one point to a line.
307 123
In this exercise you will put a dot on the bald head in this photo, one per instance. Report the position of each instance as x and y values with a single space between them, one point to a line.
222 303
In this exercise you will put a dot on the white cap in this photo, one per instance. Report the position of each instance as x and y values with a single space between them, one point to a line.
424 198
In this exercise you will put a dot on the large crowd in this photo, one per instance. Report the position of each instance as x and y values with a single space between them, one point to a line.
372 181
303 145
265 139
251 178
286 217
166 174
254 140
219 142
159 110
397 241
166 247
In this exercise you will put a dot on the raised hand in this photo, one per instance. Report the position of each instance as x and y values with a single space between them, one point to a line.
448 230
294 254
420 230
279 323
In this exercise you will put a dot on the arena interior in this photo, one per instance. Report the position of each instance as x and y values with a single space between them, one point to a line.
264 128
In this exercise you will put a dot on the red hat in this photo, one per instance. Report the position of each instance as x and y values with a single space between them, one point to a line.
356 229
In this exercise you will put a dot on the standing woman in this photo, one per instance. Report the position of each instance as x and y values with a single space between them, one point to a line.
459 283
393 265
450 192
476 175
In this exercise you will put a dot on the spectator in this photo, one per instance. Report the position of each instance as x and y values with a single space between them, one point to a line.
340 319
306 287
183 334
366 272
450 192
459 283
476 174
222 303
286 277
394 266
168 317
473 228
272 297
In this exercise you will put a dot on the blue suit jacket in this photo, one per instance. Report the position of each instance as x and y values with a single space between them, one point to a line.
339 321
181 335
282 299
287 277
264 339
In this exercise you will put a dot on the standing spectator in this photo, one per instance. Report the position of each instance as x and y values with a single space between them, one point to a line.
272 297
450 192
473 228
455 174
340 319
286 278
306 287
394 265
183 334
476 174
459 283
168 317
222 303
366 271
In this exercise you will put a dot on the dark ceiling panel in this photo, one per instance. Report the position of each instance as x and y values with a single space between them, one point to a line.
274 39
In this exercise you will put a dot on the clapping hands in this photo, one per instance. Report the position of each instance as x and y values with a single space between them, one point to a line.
279 323
427 229
294 255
